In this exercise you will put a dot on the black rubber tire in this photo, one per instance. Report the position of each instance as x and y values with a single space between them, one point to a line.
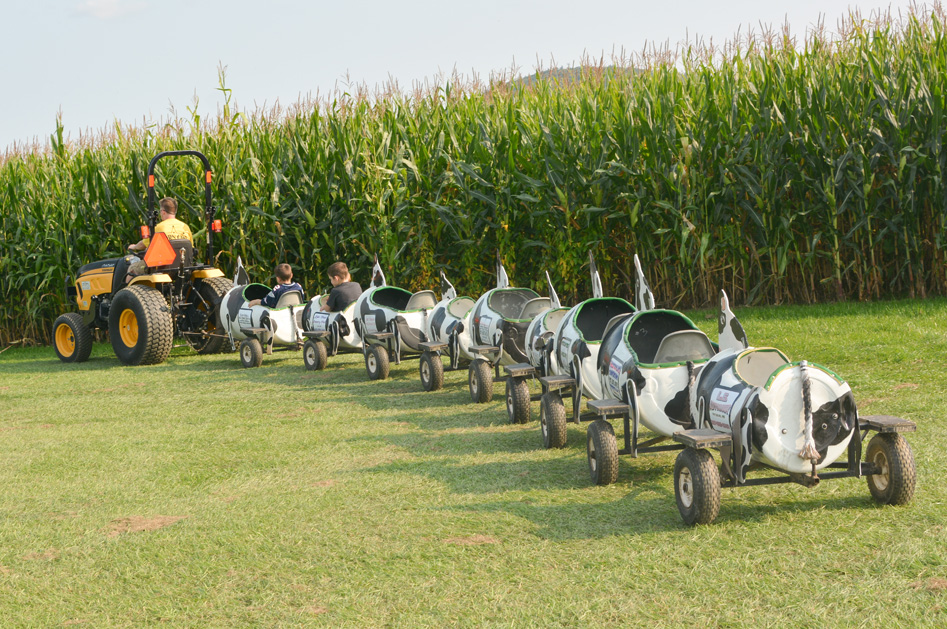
212 290
552 420
72 339
602 452
315 355
898 479
431 370
146 309
376 362
480 382
251 353
697 486
517 400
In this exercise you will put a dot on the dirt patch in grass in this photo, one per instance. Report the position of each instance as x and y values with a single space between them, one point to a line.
5 570
905 385
47 555
933 584
316 609
137 524
472 540
329 482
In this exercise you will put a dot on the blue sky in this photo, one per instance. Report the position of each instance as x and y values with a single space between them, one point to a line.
133 60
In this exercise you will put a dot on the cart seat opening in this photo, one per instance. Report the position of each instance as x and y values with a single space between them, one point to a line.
755 366
649 329
594 316
509 302
255 291
391 297
460 307
421 299
535 307
678 347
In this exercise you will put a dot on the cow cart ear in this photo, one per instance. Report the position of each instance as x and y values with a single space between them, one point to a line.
644 299
730 334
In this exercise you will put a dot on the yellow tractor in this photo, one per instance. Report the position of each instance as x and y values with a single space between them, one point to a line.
174 297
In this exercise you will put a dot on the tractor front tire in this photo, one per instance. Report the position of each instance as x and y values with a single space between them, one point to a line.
72 338
140 326
251 353
895 483
315 355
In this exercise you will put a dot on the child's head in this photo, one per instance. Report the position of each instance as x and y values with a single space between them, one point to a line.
339 273
283 273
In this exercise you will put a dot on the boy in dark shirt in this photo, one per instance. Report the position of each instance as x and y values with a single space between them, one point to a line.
344 290
284 282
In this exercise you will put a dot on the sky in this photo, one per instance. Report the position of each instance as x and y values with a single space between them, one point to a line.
140 61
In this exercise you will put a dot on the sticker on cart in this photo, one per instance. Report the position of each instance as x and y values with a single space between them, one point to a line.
485 329
244 318
721 401
614 371
370 324
319 322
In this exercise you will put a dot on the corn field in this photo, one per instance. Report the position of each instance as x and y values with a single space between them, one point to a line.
779 171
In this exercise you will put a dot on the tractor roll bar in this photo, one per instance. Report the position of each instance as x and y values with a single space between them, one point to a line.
209 210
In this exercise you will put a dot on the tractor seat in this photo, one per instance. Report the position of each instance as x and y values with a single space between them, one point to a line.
289 298
184 256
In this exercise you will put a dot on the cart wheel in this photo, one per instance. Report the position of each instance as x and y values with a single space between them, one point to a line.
481 381
697 486
602 450
552 420
72 339
376 362
315 355
895 484
517 400
251 353
432 371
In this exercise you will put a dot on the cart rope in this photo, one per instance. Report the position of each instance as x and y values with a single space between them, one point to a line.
809 450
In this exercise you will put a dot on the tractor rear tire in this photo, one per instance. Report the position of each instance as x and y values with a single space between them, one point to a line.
898 478
72 339
212 291
480 381
315 355
251 353
140 326
697 486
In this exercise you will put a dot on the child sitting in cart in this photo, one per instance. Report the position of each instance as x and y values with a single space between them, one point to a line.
284 282
344 290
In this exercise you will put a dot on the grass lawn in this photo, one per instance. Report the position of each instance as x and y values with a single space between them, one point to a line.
199 493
